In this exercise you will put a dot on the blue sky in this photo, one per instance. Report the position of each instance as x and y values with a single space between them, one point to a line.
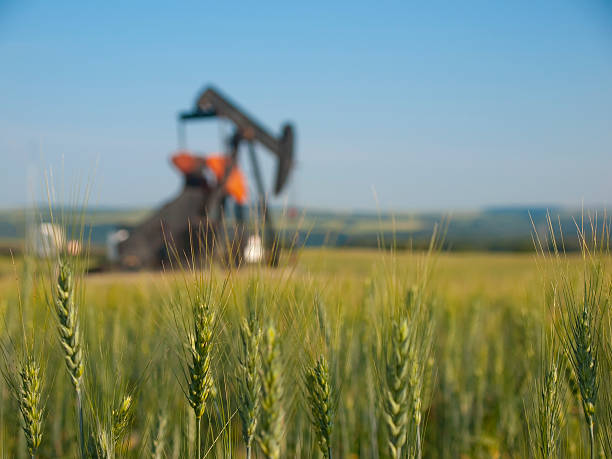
435 105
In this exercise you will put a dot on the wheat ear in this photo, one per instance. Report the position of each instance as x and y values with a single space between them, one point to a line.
30 404
321 404
395 403
200 378
121 417
269 438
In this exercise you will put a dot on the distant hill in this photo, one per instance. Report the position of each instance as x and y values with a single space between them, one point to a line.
491 229
494 229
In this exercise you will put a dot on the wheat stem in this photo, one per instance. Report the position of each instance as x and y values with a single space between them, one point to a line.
79 413
159 436
198 437
592 439
70 337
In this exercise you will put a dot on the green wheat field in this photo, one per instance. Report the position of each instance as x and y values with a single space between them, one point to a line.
338 353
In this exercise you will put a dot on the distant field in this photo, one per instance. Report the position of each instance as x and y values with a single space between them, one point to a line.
496 276
504 229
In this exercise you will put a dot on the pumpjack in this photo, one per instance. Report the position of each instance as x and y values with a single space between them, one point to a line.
199 220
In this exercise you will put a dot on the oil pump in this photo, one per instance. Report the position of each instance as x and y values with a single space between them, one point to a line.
198 221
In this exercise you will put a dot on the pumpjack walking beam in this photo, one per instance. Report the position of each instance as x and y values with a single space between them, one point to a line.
212 103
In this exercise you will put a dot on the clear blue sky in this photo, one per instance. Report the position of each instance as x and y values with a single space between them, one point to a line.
436 105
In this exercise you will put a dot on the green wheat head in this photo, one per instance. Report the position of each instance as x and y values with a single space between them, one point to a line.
121 417
69 332
319 395
30 404
200 384
585 363
415 385
549 406
396 393
580 329
270 423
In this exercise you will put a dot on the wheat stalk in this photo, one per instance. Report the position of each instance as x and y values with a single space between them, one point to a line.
321 404
100 446
176 443
159 436
270 423
579 335
70 337
415 383
579 313
24 380
395 398
585 364
549 410
200 378
547 405
247 379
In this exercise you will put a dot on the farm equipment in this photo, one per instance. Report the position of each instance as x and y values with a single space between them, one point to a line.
198 221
